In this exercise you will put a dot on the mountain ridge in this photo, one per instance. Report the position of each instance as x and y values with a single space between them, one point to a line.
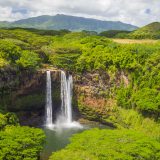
73 23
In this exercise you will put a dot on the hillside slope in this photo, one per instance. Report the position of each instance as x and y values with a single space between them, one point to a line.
150 31
71 23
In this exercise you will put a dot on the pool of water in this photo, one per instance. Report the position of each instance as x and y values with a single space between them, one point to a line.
57 139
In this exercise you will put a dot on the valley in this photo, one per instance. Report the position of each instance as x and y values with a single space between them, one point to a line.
109 86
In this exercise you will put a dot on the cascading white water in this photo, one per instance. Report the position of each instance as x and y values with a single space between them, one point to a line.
66 97
48 107
64 120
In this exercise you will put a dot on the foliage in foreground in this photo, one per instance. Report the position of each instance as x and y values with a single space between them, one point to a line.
97 144
19 143
8 119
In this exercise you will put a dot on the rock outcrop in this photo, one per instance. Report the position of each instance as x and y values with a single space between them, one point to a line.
24 93
95 96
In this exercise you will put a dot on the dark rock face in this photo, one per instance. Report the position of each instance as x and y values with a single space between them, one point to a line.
24 94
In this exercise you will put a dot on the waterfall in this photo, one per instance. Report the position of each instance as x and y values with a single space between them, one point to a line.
48 107
66 97
64 119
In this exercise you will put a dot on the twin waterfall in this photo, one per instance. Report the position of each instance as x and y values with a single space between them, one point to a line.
64 119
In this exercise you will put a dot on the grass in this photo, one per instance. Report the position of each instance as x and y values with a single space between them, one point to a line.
132 41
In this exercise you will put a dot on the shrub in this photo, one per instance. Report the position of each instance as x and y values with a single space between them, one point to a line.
21 143
28 59
147 100
8 119
11 52
110 145
3 62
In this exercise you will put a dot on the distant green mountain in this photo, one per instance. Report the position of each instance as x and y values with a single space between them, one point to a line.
72 23
4 24
150 31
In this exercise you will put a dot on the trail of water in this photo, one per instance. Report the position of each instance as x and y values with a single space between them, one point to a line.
48 121
66 97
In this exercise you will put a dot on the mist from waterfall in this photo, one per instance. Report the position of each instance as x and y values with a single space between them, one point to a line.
48 116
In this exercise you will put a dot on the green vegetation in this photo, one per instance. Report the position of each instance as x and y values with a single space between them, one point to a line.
83 52
21 143
28 60
98 144
151 31
131 119
139 64
136 138
133 78
114 34
8 119
15 52
18 142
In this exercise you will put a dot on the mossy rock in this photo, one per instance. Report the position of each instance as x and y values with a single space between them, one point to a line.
29 102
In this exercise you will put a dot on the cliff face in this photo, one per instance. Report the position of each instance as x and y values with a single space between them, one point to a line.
95 95
24 93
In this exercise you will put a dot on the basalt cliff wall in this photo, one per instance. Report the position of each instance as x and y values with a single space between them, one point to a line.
24 93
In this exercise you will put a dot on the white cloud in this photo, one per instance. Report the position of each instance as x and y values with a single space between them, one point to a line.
137 12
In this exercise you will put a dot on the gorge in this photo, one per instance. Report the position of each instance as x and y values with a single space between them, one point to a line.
68 79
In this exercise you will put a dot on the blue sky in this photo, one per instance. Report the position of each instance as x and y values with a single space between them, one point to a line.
136 12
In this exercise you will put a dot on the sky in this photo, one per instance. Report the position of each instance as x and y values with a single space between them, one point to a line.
136 12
